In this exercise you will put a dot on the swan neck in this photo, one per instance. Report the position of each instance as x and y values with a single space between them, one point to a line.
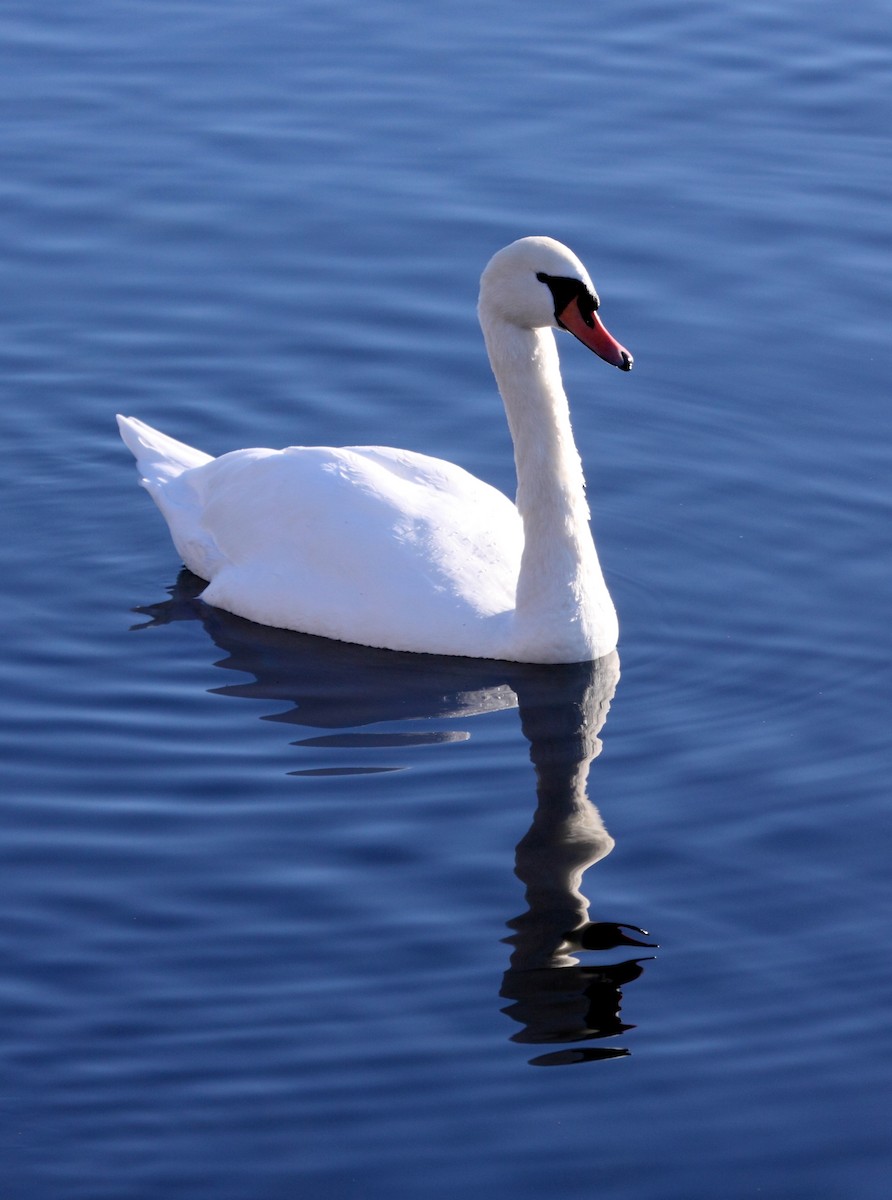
527 370
561 592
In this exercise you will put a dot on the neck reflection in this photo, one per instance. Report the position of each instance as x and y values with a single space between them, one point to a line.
556 999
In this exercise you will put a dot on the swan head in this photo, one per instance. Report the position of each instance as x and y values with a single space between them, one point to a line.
537 283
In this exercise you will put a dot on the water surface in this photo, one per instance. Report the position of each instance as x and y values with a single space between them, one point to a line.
288 918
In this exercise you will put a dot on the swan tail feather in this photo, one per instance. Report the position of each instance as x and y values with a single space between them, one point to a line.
158 456
163 462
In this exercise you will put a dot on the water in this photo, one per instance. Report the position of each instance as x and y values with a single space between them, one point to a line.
263 933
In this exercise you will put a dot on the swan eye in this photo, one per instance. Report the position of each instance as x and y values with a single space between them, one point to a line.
564 291
588 304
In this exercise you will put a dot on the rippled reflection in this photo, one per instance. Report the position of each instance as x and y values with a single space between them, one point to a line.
555 998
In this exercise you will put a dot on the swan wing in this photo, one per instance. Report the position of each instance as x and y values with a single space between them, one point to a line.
366 544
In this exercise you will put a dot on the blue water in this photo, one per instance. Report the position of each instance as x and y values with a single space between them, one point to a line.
286 918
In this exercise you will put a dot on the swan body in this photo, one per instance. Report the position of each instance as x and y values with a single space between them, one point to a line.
399 550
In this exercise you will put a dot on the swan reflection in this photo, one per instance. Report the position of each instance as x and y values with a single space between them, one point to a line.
556 999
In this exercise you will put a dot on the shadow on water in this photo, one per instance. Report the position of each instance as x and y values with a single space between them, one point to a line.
338 686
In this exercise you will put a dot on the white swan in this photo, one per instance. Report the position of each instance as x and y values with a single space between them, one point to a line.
398 550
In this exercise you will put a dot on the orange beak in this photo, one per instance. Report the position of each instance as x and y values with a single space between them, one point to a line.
590 331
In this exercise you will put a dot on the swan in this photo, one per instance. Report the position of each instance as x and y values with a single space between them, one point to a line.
398 550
